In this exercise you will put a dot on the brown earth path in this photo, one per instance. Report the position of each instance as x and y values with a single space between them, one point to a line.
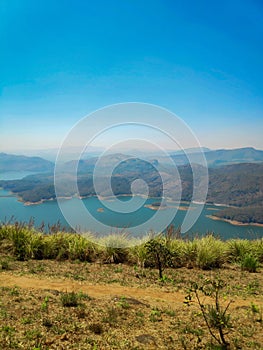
105 290
94 290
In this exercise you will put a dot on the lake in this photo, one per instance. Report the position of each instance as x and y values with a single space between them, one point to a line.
49 212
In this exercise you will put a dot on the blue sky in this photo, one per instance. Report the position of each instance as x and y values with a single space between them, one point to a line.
60 60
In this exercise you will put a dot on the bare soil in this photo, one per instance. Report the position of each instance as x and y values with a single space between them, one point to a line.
122 307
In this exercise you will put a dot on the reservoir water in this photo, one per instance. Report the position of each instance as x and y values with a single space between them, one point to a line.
49 212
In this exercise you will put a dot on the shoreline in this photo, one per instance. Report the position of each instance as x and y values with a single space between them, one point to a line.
109 198
234 222
149 206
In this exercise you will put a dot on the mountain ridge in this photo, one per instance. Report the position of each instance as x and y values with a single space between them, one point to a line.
12 162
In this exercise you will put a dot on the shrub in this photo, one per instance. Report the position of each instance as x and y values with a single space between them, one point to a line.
216 317
159 254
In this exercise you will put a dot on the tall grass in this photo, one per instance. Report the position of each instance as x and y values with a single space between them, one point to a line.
237 248
115 248
26 243
208 252
62 246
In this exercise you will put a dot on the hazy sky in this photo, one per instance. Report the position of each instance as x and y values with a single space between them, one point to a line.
60 60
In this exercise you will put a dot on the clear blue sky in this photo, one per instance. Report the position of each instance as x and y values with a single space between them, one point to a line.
60 60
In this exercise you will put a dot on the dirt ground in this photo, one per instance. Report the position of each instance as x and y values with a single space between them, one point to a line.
121 307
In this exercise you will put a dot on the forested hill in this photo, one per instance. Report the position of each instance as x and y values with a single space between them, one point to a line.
237 184
11 162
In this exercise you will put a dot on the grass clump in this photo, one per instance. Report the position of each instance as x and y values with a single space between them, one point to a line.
115 248
138 252
257 248
69 299
81 248
249 263
28 244
237 248
72 246
210 253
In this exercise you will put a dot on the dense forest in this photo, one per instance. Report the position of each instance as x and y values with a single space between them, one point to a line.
249 215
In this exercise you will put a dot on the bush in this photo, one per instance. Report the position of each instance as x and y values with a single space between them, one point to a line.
159 254
216 317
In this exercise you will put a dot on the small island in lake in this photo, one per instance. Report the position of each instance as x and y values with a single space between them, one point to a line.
160 206
156 206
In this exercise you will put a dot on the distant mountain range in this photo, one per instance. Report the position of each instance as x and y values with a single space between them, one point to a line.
10 162
214 158
220 157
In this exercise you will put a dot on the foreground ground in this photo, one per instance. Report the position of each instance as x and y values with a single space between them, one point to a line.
72 305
